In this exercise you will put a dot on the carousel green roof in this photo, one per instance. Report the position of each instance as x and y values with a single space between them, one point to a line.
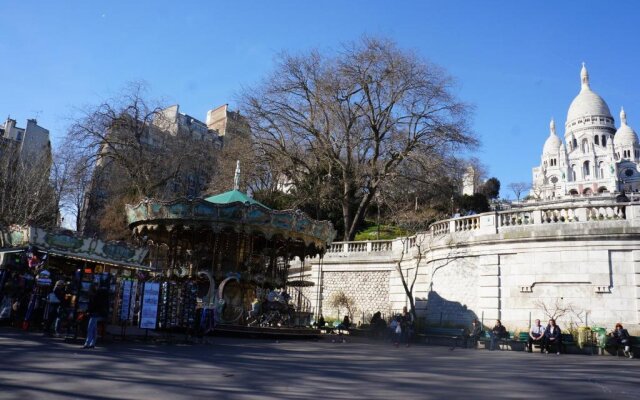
233 196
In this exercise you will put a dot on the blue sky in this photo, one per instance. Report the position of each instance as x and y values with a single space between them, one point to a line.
518 62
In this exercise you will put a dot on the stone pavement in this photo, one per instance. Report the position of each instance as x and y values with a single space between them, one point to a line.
34 367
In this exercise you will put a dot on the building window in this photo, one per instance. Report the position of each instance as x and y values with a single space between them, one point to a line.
601 170
573 173
585 169
575 143
596 140
604 141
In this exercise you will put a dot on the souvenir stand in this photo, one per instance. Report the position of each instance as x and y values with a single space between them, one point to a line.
228 251
33 261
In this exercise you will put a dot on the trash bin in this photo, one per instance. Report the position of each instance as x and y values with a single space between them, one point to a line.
601 336
584 336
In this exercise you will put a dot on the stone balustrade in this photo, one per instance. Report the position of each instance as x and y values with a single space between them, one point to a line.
495 223
370 246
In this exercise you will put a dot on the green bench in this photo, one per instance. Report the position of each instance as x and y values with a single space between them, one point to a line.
452 334
503 341
567 339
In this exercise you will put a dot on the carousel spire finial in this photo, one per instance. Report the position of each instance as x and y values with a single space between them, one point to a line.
236 178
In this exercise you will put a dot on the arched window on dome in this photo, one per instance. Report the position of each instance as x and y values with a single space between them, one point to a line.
604 141
596 140
575 144
585 145
585 170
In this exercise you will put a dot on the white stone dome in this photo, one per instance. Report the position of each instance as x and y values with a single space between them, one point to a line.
625 135
553 142
587 102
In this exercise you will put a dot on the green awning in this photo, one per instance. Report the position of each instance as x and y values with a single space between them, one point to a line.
233 196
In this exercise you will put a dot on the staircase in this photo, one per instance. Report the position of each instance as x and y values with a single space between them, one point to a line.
303 311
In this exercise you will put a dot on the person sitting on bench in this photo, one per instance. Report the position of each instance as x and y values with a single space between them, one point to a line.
471 340
552 335
344 326
536 335
621 338
497 333
321 323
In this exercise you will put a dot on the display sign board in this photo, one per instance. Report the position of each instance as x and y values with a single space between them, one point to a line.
149 311
126 300
134 293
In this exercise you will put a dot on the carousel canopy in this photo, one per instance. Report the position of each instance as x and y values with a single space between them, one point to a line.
233 196
69 245
236 213
231 210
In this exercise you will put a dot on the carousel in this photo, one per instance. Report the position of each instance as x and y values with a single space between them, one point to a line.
239 252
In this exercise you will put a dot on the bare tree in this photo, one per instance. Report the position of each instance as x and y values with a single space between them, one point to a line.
256 171
340 300
357 116
555 309
71 178
133 148
518 188
26 194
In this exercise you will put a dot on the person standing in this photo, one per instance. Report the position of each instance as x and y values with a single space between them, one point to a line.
552 336
51 315
536 335
98 310
406 323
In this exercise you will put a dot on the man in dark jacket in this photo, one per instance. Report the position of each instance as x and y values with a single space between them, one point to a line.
497 333
552 336
471 340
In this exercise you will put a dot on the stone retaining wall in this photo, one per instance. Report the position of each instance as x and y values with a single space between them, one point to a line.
368 289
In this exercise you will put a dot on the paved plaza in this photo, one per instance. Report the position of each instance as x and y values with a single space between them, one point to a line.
34 367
